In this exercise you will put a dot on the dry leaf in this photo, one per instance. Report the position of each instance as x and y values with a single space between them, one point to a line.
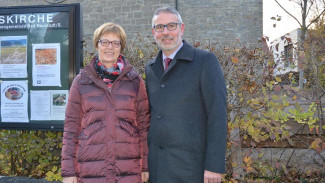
235 60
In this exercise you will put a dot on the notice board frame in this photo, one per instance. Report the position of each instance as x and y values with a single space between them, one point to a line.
66 30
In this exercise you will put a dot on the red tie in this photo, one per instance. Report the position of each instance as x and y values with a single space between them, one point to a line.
167 62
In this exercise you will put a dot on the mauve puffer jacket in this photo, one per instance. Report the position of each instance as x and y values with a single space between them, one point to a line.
105 130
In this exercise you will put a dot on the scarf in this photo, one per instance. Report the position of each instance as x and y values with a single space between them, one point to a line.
109 75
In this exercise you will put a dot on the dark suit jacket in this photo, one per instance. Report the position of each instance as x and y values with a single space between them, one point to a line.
188 117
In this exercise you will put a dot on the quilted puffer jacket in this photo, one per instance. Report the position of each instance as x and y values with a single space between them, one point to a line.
105 130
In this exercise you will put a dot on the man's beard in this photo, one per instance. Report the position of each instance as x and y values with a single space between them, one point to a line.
169 47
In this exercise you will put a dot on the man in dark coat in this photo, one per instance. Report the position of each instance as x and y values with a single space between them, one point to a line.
187 136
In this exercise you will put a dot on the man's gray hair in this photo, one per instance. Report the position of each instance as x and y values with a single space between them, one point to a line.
166 10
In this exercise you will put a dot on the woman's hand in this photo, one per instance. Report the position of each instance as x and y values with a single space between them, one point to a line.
69 179
145 176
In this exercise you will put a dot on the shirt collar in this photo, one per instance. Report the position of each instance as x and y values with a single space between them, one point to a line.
173 54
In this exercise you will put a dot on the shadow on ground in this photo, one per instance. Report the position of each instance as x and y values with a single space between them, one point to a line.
24 180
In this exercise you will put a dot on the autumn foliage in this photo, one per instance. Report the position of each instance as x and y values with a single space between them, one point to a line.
264 114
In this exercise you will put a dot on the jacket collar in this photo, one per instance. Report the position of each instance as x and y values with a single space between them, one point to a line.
89 74
186 53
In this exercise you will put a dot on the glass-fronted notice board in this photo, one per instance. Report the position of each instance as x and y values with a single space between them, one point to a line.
40 54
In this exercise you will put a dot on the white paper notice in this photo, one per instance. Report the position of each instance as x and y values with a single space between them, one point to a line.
59 100
14 101
13 56
40 105
46 64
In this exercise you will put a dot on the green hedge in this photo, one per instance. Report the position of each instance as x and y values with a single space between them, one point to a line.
30 153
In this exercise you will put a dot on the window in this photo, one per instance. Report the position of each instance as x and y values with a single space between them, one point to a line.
288 55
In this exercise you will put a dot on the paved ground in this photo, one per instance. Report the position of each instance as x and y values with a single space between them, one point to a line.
23 180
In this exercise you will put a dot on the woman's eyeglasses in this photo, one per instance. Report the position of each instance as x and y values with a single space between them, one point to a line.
106 43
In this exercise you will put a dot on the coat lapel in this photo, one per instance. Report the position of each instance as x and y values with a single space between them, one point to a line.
157 66
186 53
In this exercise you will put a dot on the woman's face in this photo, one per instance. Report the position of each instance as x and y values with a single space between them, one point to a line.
109 49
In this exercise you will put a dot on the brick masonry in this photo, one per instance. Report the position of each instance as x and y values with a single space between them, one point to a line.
214 21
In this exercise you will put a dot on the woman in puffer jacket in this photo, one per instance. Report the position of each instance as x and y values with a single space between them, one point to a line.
107 117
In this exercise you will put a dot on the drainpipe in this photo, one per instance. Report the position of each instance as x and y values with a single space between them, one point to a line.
176 5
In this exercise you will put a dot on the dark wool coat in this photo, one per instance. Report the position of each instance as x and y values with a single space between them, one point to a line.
105 130
188 123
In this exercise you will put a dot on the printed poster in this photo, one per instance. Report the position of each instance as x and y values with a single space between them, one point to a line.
40 106
46 64
13 56
14 101
48 104
59 100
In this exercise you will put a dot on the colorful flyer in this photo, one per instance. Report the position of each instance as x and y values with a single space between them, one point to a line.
46 64
14 101
13 56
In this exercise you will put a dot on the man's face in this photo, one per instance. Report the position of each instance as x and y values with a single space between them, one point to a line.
168 40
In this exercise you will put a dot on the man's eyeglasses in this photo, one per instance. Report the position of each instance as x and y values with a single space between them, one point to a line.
105 43
160 27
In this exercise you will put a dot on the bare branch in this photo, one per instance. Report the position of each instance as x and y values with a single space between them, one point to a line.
288 12
316 18
309 9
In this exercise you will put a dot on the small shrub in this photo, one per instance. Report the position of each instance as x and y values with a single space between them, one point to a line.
30 153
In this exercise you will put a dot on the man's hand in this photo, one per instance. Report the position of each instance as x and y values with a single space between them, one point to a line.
145 176
69 179
212 177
